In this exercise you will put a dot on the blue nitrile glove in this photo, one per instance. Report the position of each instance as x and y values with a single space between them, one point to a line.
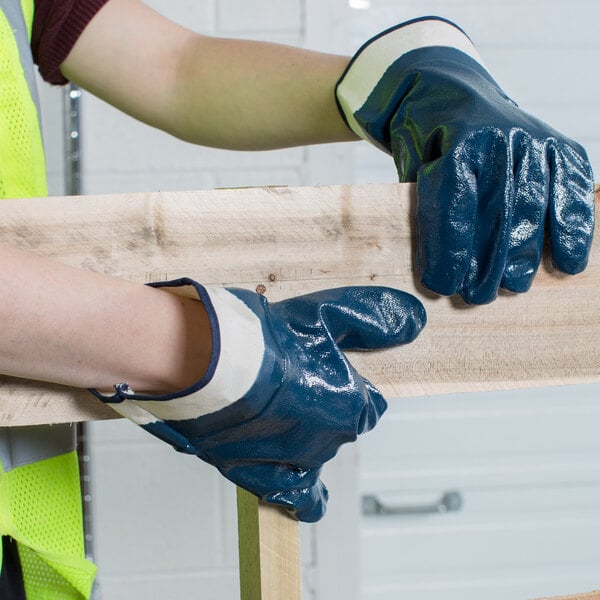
490 177
279 396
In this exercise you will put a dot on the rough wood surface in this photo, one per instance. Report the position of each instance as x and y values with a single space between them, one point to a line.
288 241
269 551
588 596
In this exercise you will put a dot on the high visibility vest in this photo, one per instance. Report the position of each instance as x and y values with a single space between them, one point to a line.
40 497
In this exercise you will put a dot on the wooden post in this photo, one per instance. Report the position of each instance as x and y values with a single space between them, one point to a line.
287 241
269 551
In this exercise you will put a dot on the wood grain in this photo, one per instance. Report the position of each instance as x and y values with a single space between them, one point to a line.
287 241
588 596
269 551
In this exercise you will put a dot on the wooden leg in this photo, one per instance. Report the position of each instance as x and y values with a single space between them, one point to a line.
269 549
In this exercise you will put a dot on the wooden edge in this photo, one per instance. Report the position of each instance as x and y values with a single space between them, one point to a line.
49 403
317 237
269 551
585 596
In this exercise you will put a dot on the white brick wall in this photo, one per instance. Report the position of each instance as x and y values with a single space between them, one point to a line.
165 524
241 17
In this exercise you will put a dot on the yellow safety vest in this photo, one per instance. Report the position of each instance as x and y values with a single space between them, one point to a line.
40 498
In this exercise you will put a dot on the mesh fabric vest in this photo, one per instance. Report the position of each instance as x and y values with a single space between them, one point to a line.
40 499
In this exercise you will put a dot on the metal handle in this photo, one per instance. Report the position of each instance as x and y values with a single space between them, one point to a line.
449 502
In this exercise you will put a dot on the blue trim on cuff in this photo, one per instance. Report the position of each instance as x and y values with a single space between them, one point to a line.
120 389
401 26
380 35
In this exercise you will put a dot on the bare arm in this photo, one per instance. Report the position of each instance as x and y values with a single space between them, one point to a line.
211 91
89 330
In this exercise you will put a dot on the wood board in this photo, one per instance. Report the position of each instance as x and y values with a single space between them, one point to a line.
587 596
269 551
285 241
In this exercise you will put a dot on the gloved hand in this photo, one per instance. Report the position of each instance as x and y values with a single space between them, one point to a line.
490 177
279 396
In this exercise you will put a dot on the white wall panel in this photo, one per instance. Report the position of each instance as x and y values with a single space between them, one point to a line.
527 466
199 16
241 16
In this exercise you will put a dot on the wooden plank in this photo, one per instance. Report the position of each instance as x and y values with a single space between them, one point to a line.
269 551
288 241
588 596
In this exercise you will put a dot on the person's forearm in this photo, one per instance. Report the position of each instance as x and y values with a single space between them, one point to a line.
225 93
255 95
75 327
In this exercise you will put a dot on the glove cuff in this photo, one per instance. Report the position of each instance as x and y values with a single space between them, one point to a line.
373 59
238 351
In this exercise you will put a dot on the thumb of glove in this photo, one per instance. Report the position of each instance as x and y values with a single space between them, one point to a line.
364 318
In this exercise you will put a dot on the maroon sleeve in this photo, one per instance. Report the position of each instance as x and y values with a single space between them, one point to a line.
57 25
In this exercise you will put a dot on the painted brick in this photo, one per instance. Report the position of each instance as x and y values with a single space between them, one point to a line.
258 177
235 16
199 16
150 518
505 23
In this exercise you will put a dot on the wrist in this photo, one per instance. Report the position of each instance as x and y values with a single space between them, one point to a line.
370 63
237 353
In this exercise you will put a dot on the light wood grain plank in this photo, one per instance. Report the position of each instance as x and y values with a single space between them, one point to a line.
587 596
269 551
288 241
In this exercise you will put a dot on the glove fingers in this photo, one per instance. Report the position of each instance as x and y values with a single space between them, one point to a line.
362 318
307 504
571 213
446 213
375 406
464 220
299 490
529 214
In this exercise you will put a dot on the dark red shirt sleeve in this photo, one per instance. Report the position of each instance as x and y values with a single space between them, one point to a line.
57 25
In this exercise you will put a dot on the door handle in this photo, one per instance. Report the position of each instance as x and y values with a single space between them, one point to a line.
449 502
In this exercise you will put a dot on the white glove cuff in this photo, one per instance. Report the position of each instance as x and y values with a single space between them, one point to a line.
375 57
240 343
